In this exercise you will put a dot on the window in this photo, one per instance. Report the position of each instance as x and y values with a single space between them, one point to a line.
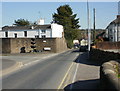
6 34
15 35
36 36
43 31
25 33
43 36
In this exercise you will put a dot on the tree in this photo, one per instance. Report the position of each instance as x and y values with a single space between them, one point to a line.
65 17
21 22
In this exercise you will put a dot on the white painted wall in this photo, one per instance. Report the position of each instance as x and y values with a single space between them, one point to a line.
32 33
114 33
11 34
2 34
57 30
119 32
40 22
48 33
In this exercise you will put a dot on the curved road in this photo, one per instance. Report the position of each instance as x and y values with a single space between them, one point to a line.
47 74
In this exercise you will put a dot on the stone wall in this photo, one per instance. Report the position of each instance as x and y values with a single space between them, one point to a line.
60 44
6 46
103 56
18 44
108 45
51 43
14 45
0 46
109 78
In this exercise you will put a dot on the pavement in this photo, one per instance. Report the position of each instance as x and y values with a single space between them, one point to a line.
13 62
84 75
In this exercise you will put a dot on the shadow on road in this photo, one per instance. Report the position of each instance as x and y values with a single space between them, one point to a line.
84 59
92 85
76 50
86 84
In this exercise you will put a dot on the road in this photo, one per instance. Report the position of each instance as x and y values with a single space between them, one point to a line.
47 74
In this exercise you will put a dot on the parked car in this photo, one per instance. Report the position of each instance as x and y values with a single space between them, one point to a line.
76 45
83 48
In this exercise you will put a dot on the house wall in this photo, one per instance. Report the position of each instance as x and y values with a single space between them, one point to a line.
14 45
11 34
32 33
114 32
48 33
2 34
57 30
119 32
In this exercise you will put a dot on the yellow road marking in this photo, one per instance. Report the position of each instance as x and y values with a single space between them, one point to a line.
65 77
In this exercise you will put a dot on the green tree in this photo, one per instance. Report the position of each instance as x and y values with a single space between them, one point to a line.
65 17
21 22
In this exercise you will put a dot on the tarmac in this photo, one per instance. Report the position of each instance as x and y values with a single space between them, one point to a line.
12 62
84 73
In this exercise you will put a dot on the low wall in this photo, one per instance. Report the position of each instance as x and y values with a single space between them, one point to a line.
103 56
109 76
108 45
14 45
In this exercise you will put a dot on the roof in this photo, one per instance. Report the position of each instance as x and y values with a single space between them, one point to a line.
33 27
116 21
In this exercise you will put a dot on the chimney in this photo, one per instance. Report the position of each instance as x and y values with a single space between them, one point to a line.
40 22
118 16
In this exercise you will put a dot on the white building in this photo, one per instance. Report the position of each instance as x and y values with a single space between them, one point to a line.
34 31
113 30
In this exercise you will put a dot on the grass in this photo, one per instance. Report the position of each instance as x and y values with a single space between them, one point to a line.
118 75
117 71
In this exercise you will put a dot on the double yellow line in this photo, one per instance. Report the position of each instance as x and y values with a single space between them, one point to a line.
59 87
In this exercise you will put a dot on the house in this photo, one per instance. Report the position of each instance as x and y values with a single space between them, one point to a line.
113 30
34 31
33 38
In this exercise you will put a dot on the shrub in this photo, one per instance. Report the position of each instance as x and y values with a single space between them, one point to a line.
69 44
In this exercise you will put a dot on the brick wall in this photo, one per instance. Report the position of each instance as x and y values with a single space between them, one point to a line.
14 45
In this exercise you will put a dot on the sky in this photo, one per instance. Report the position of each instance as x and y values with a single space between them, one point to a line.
32 11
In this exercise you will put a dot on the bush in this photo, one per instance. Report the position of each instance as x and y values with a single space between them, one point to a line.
69 44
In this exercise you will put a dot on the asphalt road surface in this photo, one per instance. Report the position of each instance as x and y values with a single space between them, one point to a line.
47 74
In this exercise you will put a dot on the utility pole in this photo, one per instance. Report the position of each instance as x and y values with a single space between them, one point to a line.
119 8
89 31
94 26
